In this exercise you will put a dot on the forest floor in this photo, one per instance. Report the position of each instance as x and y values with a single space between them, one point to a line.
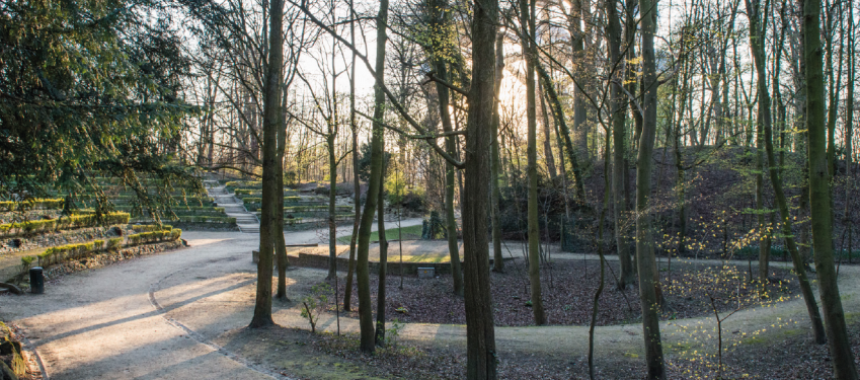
568 290
184 314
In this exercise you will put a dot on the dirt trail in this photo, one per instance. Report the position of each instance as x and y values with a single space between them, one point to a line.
180 315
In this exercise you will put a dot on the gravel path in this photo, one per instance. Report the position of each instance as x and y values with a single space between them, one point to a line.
105 324
176 316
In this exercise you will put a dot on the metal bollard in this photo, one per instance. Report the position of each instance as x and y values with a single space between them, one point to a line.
37 281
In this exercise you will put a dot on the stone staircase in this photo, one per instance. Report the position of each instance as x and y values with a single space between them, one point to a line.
234 208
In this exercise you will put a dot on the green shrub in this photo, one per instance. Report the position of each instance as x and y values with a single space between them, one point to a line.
241 192
153 237
32 204
233 185
315 303
247 200
114 243
62 223
61 253
27 260
254 203
150 227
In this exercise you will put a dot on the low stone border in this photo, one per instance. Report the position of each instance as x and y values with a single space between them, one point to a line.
109 257
100 259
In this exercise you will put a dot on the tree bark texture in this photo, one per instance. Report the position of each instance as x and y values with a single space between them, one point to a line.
820 196
526 23
271 120
647 263
776 182
365 308
480 332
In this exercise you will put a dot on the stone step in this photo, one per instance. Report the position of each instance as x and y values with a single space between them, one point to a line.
249 228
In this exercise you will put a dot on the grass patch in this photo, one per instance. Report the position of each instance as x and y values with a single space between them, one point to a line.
405 233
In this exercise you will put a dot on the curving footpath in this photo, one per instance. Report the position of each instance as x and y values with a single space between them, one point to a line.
172 315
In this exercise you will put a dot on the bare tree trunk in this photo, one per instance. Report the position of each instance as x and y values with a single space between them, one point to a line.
496 179
272 116
647 263
332 198
383 259
527 24
834 87
547 145
558 117
480 331
820 196
631 74
849 128
365 308
764 118
618 116
580 129
764 237
439 21
356 187
278 228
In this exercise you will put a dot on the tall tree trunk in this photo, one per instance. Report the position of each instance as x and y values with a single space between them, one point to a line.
331 145
496 179
679 163
278 228
383 259
527 24
631 74
849 126
764 237
356 184
439 21
764 240
647 263
558 117
820 196
834 87
764 118
332 198
365 308
618 116
547 145
480 332
580 129
272 115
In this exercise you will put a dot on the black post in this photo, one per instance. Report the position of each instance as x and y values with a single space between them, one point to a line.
37 281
